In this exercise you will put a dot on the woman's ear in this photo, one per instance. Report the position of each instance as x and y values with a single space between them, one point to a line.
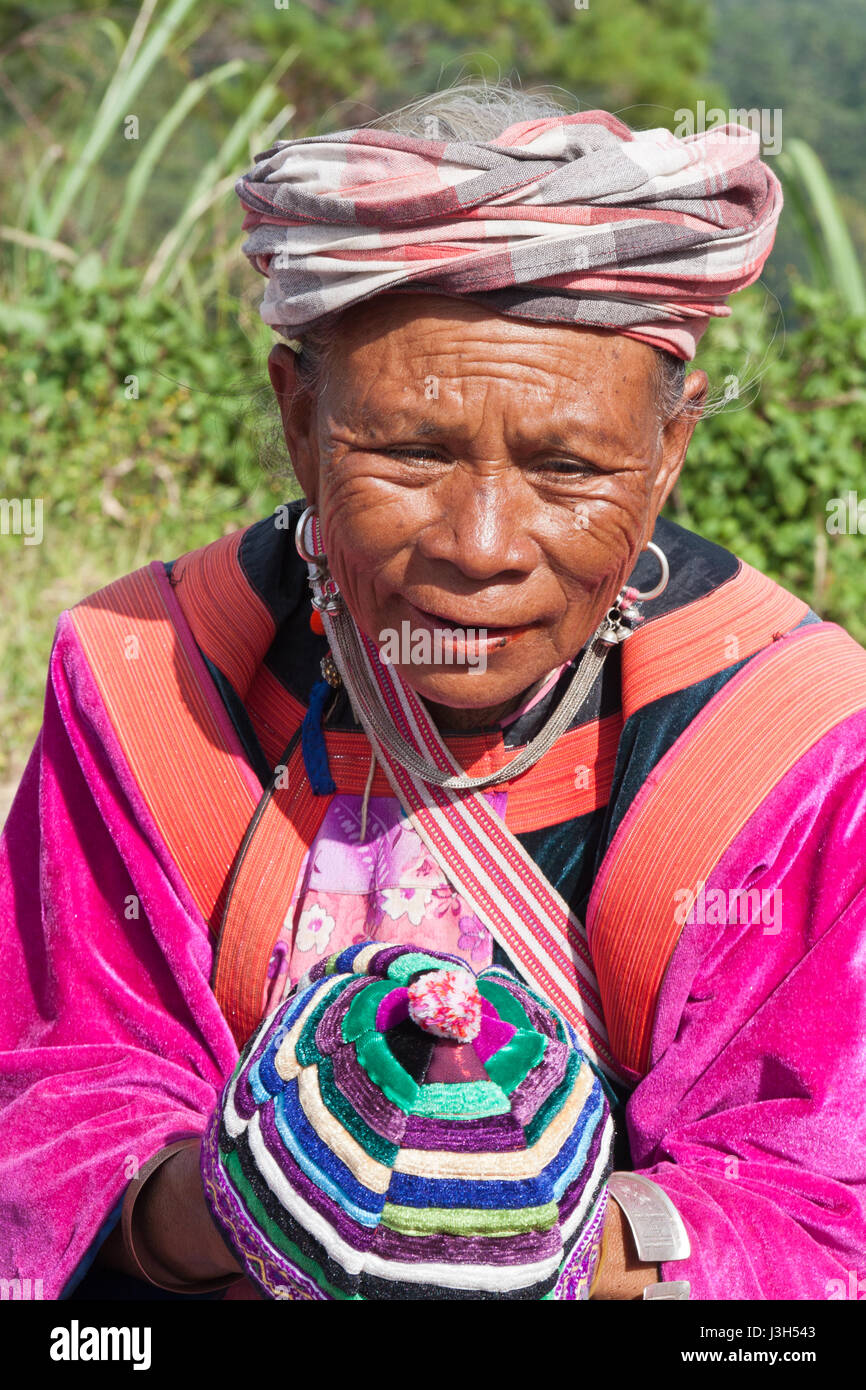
297 410
675 438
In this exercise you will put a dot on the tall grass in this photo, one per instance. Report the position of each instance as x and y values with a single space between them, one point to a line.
103 274
57 218
832 256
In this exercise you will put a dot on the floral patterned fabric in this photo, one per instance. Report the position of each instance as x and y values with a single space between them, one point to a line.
388 888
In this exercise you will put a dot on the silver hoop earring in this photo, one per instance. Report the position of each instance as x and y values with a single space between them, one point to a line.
643 596
623 618
324 594
299 536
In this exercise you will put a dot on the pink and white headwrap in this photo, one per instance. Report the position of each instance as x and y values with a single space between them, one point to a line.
567 219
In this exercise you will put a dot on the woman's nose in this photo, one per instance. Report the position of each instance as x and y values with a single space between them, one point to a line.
482 525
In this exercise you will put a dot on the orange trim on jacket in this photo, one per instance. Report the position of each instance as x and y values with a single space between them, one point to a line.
699 798
174 731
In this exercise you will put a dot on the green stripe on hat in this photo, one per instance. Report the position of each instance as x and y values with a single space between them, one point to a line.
373 1144
306 1050
513 1062
469 1221
383 1069
505 1005
360 1017
461 1100
257 1212
401 970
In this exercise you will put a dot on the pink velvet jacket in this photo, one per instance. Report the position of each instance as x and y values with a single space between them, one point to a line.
750 1113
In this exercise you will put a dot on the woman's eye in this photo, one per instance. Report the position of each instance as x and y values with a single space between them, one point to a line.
411 452
569 468
564 468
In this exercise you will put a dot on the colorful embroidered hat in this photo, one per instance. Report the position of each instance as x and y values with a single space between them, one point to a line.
400 1128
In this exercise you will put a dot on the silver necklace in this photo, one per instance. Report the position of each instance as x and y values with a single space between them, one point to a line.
350 659
351 662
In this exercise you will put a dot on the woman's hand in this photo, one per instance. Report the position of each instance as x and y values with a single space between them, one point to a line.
171 1229
620 1273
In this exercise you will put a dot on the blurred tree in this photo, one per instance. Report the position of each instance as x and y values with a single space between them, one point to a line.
807 61
642 58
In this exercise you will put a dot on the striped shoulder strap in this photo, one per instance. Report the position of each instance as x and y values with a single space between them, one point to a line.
178 742
703 637
698 799
188 764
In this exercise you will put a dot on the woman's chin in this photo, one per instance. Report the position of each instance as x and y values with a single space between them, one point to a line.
466 688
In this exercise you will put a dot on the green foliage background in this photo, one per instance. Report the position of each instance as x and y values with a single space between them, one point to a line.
137 403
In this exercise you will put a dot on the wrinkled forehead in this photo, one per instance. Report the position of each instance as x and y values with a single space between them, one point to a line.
435 365
440 325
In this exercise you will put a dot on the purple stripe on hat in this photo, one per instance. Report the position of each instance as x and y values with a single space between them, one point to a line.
329 1035
572 1195
266 1040
528 1098
494 1134
494 1034
393 1009
365 1098
380 963
525 1248
245 1102
359 1237
540 1017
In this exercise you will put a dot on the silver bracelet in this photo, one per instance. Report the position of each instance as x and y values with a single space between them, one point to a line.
656 1226
674 1288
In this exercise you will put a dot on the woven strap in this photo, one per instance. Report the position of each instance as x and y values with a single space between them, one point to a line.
472 845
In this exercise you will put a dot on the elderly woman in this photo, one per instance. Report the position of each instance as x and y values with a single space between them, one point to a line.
471 691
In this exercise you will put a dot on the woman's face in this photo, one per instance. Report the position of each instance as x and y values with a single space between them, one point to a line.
475 472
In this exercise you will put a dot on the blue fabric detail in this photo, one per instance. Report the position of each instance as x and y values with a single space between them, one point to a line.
235 709
313 742
547 1185
346 959
320 1163
589 1124
242 723
93 1249
488 1194
811 617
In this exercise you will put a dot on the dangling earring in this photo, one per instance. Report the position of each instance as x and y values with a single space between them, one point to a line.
644 595
624 617
326 597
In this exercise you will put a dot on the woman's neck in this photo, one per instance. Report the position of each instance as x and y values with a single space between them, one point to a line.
444 717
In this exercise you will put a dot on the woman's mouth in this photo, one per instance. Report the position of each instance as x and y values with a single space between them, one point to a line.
473 634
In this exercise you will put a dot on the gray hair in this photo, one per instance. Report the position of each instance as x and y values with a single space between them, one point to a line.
478 112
